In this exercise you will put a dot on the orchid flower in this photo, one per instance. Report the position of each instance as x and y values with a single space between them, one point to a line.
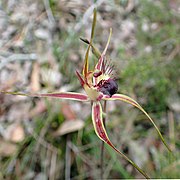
99 85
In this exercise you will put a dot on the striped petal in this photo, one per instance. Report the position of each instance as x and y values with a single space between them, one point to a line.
101 133
131 101
61 95
98 122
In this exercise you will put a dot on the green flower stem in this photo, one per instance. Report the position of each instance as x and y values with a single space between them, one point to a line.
102 145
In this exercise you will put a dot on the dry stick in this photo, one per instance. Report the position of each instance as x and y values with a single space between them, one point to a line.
102 145
53 167
49 12
16 57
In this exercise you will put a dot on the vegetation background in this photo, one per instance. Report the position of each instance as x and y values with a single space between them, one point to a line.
40 51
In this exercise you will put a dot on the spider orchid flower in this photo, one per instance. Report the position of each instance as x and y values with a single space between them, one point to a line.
99 85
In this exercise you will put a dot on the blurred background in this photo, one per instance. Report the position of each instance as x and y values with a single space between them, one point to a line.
40 50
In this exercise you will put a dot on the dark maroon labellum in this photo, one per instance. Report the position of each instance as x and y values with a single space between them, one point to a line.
108 87
97 74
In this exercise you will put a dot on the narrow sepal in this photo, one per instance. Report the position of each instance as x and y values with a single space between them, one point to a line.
93 25
61 95
101 133
131 101
101 59
85 68
80 78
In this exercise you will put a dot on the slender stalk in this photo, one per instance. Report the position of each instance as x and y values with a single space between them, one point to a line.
102 159
102 145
